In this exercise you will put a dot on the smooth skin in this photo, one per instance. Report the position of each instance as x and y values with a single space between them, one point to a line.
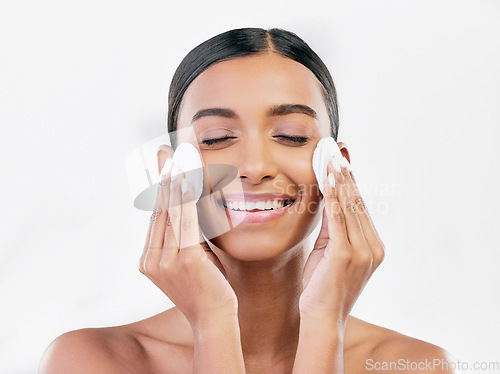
251 300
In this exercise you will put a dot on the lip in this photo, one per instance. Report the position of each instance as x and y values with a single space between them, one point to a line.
255 216
257 197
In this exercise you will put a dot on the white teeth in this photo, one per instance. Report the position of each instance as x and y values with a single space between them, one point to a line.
251 205
261 205
276 204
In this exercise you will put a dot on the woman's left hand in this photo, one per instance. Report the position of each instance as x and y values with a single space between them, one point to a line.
345 255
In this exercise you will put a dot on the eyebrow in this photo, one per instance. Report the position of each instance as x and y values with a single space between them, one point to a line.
277 110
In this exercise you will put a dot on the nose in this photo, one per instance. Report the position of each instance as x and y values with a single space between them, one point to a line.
256 161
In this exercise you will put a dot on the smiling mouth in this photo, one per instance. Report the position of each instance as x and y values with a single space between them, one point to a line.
256 206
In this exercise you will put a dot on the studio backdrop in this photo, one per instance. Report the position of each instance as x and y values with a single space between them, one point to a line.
83 85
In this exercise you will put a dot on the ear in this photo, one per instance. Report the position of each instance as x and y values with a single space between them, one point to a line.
344 151
164 152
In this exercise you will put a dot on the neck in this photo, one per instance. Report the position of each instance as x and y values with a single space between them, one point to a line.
268 304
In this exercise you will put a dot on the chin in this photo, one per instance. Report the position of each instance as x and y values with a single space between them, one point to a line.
245 246
248 245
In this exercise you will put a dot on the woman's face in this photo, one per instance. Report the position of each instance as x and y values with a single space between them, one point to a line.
273 115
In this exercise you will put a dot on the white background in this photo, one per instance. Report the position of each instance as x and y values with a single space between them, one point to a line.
82 84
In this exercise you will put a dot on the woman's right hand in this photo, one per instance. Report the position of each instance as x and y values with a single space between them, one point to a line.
176 257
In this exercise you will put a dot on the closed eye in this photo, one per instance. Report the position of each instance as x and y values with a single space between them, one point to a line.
295 139
217 140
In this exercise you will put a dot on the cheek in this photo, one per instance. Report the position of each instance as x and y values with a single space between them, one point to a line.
211 157
300 174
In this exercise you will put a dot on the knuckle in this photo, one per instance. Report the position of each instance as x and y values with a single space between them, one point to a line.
165 266
174 214
171 218
349 208
382 247
338 215
330 194
187 223
154 216
360 203
345 255
340 178
164 183
142 264
365 259
157 213
187 261
379 253
142 269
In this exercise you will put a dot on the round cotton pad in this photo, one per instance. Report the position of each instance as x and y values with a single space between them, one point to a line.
188 159
323 153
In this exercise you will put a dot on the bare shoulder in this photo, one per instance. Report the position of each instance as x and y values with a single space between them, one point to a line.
378 349
91 350
146 346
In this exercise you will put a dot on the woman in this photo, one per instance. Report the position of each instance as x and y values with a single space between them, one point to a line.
251 300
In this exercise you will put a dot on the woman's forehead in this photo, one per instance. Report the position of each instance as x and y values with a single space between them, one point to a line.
253 84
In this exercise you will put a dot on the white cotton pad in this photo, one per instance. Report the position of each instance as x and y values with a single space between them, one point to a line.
323 153
188 159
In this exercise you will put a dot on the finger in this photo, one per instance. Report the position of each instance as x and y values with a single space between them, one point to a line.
190 233
172 233
333 215
361 209
165 155
353 227
142 261
161 206
156 231
371 234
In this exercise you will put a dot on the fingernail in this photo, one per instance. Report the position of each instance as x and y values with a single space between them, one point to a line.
331 179
167 167
344 163
336 163
184 185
